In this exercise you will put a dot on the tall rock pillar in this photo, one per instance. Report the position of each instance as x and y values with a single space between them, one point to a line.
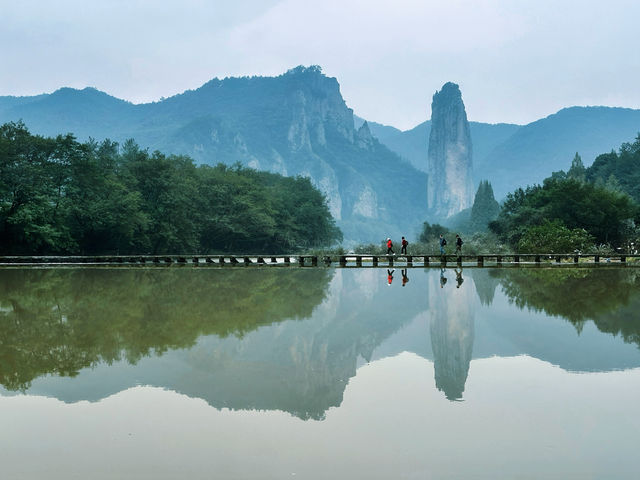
450 186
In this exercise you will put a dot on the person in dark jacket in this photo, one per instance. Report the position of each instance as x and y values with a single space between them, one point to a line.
443 243
459 243
403 249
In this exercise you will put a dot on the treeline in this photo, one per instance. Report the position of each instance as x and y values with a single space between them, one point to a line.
582 209
60 196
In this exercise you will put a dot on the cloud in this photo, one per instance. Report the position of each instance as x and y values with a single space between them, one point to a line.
515 60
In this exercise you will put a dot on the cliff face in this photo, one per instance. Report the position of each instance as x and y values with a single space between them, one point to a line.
294 124
450 186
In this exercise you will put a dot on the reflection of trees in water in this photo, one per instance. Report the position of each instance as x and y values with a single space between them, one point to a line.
59 321
301 367
608 296
451 324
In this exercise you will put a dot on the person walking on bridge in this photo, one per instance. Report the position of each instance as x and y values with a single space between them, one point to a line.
443 243
390 247
403 249
459 243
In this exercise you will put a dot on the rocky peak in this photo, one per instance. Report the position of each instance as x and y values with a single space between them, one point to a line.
317 107
363 137
449 167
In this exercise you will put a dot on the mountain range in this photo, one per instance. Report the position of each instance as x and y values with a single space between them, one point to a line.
294 124
374 176
512 156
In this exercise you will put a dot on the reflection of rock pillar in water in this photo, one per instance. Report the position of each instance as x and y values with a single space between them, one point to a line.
451 316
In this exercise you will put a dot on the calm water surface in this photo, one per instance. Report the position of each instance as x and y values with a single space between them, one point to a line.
271 373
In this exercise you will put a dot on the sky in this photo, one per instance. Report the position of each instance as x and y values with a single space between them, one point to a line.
515 61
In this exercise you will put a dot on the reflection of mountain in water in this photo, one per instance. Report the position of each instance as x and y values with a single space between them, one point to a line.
301 366
485 284
290 339
451 323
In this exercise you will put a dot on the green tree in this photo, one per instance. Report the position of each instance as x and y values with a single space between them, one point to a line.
32 179
485 208
554 237
103 215
430 232
624 166
62 196
601 212
577 170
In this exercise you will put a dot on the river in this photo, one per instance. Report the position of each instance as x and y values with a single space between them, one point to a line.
314 373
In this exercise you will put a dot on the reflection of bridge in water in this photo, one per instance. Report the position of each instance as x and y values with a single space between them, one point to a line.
344 260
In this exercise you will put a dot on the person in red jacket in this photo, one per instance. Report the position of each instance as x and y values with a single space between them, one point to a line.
390 247
389 276
403 249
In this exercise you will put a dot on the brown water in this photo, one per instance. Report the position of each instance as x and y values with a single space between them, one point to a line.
319 373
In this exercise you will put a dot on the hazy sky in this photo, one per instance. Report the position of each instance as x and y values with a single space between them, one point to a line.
515 61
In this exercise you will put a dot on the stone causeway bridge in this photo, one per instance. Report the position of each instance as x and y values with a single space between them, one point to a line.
339 260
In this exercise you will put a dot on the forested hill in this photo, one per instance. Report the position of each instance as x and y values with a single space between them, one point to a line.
294 124
59 196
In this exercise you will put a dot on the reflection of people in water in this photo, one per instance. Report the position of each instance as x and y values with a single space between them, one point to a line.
389 276
443 279
459 278
405 279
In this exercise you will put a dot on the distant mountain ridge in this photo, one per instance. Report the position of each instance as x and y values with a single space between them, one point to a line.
510 156
294 124
299 124
536 150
